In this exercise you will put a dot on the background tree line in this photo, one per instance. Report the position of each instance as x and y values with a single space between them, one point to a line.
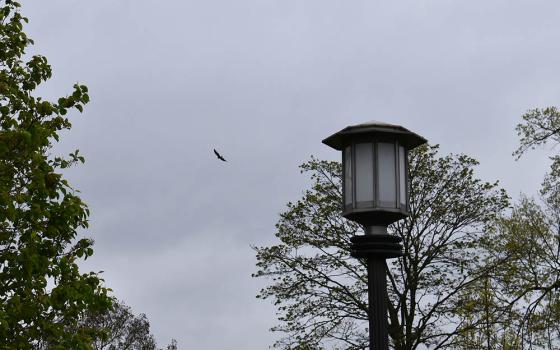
477 271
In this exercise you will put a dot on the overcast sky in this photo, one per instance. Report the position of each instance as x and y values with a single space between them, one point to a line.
264 81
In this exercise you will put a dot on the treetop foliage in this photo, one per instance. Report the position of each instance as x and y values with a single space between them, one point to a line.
524 245
540 127
42 293
125 331
321 291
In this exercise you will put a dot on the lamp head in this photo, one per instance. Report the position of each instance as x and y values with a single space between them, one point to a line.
375 167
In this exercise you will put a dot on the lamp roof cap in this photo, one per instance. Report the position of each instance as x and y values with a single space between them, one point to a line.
344 137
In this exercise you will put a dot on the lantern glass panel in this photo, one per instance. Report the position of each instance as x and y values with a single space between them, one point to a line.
387 174
402 176
348 176
364 175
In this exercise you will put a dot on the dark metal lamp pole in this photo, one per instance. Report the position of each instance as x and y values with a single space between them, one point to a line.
375 194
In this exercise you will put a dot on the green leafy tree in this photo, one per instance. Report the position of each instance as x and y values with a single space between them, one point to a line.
486 325
42 292
321 292
524 244
541 127
527 281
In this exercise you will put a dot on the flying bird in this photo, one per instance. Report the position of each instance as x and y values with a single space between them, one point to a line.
219 156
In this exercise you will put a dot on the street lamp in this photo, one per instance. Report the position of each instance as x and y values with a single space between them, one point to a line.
375 193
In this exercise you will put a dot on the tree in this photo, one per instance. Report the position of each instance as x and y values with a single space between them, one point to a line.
172 345
525 246
42 292
485 326
539 127
321 292
124 330
527 281
119 329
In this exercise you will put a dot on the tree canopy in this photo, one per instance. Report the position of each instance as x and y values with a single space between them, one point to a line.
42 291
524 245
124 330
321 292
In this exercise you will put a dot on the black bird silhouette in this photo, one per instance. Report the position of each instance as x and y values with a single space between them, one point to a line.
219 156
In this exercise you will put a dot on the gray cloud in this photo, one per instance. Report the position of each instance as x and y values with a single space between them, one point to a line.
264 82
